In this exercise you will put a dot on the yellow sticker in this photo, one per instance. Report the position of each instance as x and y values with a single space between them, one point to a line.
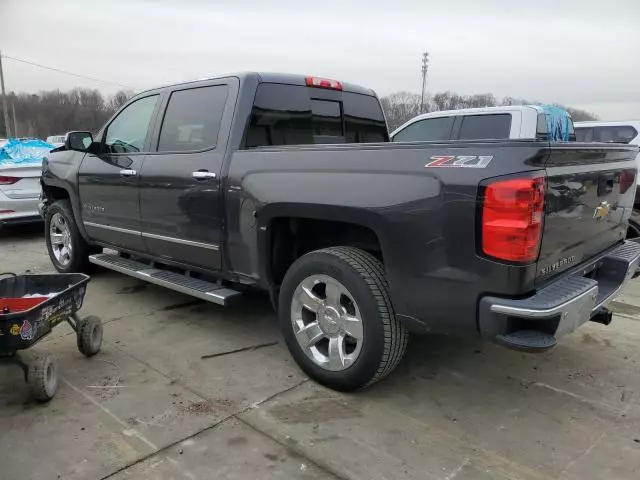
15 330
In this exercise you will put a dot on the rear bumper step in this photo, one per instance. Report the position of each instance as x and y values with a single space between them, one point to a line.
536 323
527 340
208 291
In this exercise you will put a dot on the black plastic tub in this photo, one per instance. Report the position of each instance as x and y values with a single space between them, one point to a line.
31 305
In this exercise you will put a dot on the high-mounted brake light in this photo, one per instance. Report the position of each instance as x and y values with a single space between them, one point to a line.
627 179
512 216
318 82
8 180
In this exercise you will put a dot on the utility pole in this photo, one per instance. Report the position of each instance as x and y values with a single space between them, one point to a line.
15 122
4 102
425 67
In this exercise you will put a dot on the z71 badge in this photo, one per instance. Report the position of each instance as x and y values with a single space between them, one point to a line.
461 161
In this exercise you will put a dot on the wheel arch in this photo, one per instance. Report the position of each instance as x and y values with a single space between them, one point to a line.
359 227
54 191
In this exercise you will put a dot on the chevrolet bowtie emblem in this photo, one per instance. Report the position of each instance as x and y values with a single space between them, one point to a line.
602 210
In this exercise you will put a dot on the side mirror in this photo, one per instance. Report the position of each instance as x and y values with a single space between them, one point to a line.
79 141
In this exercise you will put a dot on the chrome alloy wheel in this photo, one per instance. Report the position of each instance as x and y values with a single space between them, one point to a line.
327 322
60 238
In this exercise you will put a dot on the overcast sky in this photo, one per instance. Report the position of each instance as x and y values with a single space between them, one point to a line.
582 53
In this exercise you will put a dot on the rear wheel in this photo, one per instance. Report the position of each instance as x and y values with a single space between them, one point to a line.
68 251
337 318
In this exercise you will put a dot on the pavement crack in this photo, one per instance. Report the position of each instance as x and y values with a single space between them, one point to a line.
167 447
214 425
237 350
318 463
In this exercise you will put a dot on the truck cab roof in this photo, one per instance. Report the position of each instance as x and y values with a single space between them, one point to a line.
268 77
535 109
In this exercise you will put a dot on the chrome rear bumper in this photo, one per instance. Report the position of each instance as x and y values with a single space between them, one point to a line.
561 306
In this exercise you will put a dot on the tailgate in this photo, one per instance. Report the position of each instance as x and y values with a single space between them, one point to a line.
589 197
21 182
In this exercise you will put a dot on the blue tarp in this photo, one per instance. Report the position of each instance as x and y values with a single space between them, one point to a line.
558 123
23 152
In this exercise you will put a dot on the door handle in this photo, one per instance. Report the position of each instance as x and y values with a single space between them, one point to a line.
203 175
128 172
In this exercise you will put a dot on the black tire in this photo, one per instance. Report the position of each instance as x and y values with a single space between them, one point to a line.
42 378
385 337
79 258
89 336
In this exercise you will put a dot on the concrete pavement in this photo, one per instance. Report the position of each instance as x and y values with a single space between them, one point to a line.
188 390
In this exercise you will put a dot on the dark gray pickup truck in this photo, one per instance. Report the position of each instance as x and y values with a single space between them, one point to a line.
289 184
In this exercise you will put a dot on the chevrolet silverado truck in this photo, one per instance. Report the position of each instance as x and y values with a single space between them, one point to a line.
289 184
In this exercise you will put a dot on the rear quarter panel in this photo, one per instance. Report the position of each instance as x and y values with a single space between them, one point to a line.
424 217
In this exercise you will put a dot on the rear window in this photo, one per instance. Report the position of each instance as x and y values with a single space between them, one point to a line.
297 115
607 134
485 127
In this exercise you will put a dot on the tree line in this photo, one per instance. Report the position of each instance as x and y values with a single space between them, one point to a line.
55 112
402 106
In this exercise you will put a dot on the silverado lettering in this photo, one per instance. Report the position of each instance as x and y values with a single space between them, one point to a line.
555 266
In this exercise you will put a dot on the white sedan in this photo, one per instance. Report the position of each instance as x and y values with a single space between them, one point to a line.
20 170
19 194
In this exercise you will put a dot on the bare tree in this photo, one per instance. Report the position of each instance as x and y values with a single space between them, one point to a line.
580 115
54 112
402 106
120 98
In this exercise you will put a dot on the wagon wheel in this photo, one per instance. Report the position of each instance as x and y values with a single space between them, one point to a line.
42 378
89 336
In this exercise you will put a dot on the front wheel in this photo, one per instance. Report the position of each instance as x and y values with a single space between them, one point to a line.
68 251
337 318
42 378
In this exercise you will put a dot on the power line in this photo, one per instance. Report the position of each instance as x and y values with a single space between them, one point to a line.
66 72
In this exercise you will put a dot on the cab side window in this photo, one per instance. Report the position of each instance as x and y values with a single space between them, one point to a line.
485 127
584 134
128 131
192 119
428 130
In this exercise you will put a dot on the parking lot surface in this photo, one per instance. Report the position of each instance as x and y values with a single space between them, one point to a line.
187 390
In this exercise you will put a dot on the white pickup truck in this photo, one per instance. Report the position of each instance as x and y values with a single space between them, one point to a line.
488 123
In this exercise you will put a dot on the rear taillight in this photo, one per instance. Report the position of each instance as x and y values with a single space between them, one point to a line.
627 179
318 82
512 215
8 180
4 212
